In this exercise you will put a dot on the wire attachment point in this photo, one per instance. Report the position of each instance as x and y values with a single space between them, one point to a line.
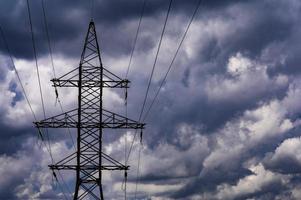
141 135
40 133
54 175
126 97
56 96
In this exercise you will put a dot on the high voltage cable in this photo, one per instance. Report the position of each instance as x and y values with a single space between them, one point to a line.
150 79
66 186
38 74
37 66
17 73
56 92
126 75
52 63
135 40
48 38
62 190
165 77
148 86
22 87
35 57
173 59
37 69
155 62
138 172
152 72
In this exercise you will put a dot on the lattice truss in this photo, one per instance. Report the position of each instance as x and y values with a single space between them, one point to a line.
89 119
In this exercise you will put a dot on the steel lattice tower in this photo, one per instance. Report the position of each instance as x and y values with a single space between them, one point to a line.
90 120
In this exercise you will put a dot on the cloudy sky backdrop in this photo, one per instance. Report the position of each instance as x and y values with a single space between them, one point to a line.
226 124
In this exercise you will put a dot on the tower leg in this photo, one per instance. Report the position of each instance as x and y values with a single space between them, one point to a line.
76 190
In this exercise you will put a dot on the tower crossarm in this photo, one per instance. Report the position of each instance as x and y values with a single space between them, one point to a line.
113 120
109 120
110 80
68 163
89 167
64 120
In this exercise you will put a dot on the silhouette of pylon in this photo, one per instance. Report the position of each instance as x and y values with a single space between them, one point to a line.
90 120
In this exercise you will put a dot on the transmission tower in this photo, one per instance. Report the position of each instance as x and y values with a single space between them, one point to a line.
90 120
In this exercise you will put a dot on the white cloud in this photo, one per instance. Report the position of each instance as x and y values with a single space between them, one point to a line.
20 114
250 184
27 173
242 134
249 80
289 148
164 160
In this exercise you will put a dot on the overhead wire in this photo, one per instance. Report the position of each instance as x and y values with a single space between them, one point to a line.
152 72
147 91
22 87
155 62
164 79
64 182
126 96
53 67
37 67
138 171
17 73
35 57
56 90
48 37
135 39
162 82
59 184
173 59
38 74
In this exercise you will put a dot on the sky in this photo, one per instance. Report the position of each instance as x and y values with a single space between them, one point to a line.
226 124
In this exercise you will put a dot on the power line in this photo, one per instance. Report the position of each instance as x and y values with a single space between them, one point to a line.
38 74
17 73
59 184
22 86
37 67
66 186
138 171
56 91
126 96
19 79
136 37
149 82
152 72
52 63
134 45
48 37
147 90
164 79
156 58
173 59
35 57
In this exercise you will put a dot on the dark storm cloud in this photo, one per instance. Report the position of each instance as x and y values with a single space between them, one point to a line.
266 31
67 23
258 33
12 138
253 37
